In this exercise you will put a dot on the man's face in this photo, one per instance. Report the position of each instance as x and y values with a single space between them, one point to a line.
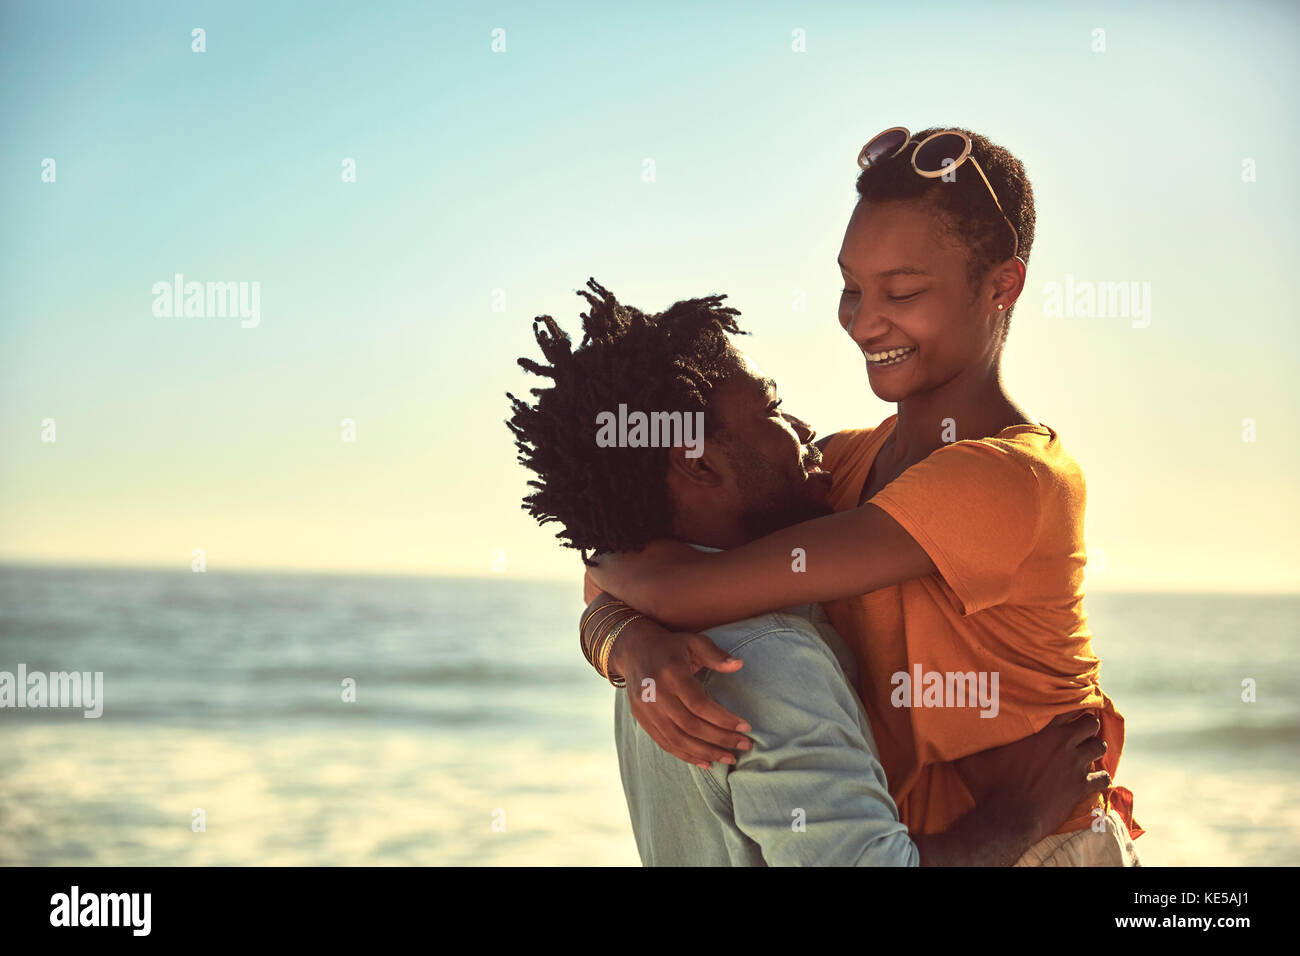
769 465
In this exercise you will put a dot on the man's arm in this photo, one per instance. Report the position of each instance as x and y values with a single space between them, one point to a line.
1024 791
993 834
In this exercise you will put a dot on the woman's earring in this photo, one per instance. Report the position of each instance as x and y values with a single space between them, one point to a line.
1001 307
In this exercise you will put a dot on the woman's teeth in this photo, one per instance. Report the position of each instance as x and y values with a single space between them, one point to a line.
890 357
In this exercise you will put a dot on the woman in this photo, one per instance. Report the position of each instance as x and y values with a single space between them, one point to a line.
957 547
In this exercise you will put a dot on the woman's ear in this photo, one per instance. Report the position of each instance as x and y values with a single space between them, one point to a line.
1008 283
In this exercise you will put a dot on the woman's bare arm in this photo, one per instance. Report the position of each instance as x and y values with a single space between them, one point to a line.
840 555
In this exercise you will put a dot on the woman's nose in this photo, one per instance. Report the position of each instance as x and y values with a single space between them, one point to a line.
863 326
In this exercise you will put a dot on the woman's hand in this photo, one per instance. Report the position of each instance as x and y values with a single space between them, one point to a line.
637 576
668 702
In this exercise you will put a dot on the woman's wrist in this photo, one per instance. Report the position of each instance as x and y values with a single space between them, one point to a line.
640 628
606 632
599 632
592 618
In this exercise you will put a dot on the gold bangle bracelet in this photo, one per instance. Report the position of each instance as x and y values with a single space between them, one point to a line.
602 630
609 646
587 620
585 644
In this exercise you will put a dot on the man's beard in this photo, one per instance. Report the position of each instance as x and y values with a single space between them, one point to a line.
774 500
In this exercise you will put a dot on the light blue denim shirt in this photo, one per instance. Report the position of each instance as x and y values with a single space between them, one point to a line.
811 792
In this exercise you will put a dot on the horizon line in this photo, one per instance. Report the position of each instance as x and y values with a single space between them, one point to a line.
91 565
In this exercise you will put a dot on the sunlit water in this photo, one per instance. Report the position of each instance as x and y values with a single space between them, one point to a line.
479 735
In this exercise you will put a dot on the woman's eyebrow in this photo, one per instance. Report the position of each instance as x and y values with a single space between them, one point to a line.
888 273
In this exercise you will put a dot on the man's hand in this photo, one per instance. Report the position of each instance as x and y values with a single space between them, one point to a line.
1023 792
665 698
1047 774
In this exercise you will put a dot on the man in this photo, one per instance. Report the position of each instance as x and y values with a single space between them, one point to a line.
707 456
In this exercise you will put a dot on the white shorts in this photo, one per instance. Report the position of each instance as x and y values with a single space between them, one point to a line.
1111 846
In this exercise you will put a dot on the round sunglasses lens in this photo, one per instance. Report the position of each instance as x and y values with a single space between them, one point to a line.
944 150
883 146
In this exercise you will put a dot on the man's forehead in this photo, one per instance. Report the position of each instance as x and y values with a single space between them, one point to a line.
744 392
748 374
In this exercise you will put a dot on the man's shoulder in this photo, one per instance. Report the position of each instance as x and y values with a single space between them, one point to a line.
771 644
794 625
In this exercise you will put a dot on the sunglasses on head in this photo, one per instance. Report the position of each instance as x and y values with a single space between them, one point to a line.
934 156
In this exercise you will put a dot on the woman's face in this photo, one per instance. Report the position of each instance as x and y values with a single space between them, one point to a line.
908 304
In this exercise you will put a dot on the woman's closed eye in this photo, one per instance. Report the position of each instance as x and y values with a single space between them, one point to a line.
892 298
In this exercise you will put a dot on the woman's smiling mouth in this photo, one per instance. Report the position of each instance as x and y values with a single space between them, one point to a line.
889 356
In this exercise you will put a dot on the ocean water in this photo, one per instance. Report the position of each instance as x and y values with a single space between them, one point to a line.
480 736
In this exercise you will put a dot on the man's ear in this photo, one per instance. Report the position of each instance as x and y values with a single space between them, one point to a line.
698 472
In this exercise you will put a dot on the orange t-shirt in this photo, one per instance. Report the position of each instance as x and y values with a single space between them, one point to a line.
1002 520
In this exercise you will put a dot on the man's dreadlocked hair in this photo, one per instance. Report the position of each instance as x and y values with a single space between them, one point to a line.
615 499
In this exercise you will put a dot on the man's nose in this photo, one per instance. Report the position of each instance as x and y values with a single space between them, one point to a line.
805 431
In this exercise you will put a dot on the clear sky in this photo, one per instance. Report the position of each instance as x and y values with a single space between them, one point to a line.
509 177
